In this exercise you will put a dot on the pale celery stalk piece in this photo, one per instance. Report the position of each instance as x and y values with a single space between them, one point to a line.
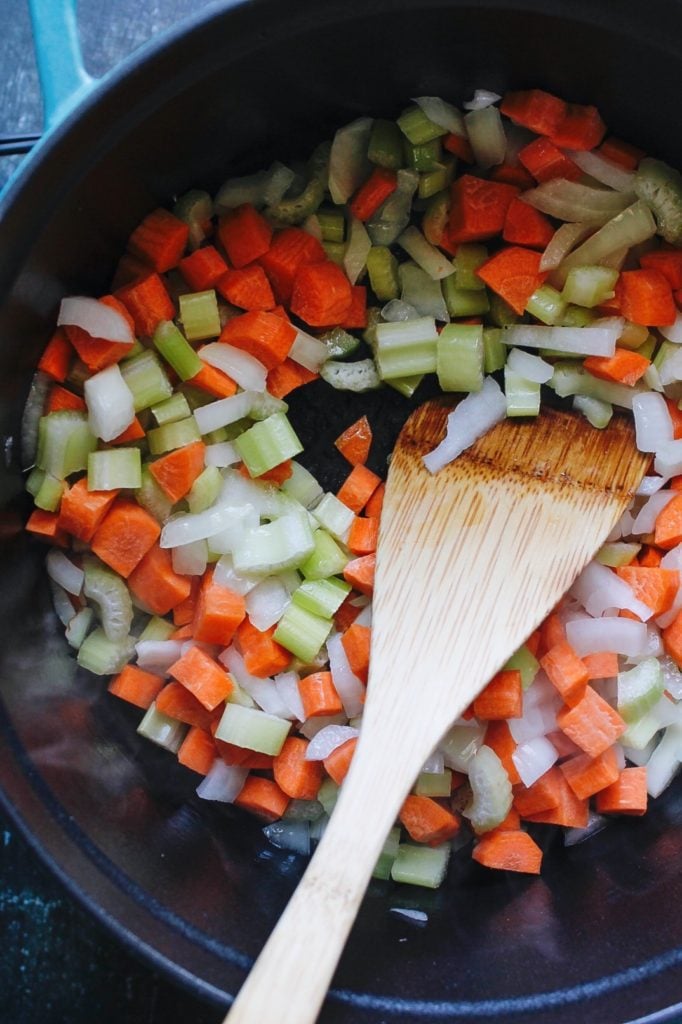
525 662
322 597
639 689
388 855
162 730
460 357
522 395
172 409
491 788
421 865
104 657
302 632
333 516
110 593
617 553
252 729
157 629
200 315
326 559
176 350
268 443
173 435
595 411
114 469
282 544
434 784
406 348
147 380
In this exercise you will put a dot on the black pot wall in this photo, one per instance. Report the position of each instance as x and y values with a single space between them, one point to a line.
194 887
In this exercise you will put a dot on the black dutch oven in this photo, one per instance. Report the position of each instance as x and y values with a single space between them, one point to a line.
193 888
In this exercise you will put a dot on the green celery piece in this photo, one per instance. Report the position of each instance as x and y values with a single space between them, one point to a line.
435 219
205 489
322 597
501 313
147 379
617 554
469 257
196 209
327 558
328 794
421 865
640 732
302 486
264 405
577 316
282 544
595 411
110 593
157 629
647 348
267 444
219 435
49 494
172 409
388 855
199 315
114 469
152 498
460 357
639 689
335 251
104 657
494 352
176 350
78 628
340 343
417 127
660 186
523 395
382 267
173 435
433 182
546 304
571 379
526 663
166 732
634 337
589 286
332 225
425 156
491 789
252 729
65 442
357 377
333 516
386 144
394 214
406 386
464 301
406 348
302 632
34 480
459 746
434 784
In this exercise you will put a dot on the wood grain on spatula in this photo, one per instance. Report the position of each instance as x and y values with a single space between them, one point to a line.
470 561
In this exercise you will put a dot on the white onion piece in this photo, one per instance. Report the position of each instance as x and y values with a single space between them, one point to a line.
486 135
267 602
357 249
221 454
312 726
569 201
290 835
228 540
225 575
650 485
653 424
190 559
64 610
327 740
673 332
64 573
645 520
537 720
157 654
349 688
348 159
672 559
667 711
223 783
110 403
442 113
579 341
668 460
561 243
598 588
471 419
671 370
672 677
665 620
225 411
248 372
595 823
533 758
308 351
396 310
435 764
287 689
95 318
603 170
529 366
186 527
663 764
365 616
432 261
263 691
482 98
622 636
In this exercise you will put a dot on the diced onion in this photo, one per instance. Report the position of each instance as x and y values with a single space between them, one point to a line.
222 413
668 460
287 688
653 425
482 98
190 559
622 636
645 520
308 351
223 783
486 135
64 573
243 368
471 419
327 740
561 243
578 341
357 249
569 201
443 114
262 691
95 318
396 311
425 255
290 835
349 688
348 159
267 602
673 332
529 366
110 403
598 588
157 655
603 170
221 454
533 758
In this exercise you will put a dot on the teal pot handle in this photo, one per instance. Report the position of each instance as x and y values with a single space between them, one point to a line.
63 78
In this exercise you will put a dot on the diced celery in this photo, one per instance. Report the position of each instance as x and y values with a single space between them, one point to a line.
110 593
434 783
114 469
640 732
634 336
577 316
263 405
173 435
49 494
220 435
357 377
388 855
205 489
617 554
406 348
302 486
34 480
196 209
459 357
660 186
523 395
525 662
78 628
147 380
252 729
406 386
199 315
595 411
166 732
302 632
386 144
464 301
421 865
294 209
491 789
104 657
322 597
382 267
340 343
64 443
173 409
433 182
494 352
176 350
326 559
156 629
424 156
546 304
152 498
328 794
393 215
639 689
332 225
335 251
460 744
267 444
470 256
501 313
571 379
589 286
417 127
304 810
421 290
335 517
631 226
282 544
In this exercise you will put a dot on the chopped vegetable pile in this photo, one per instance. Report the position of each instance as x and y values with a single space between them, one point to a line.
198 563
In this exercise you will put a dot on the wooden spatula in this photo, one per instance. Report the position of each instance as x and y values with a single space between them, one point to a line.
470 561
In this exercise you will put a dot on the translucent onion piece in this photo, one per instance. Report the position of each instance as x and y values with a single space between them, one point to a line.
243 368
623 636
578 341
262 691
223 412
483 98
327 740
95 318
435 263
357 248
569 201
64 573
33 411
673 332
533 758
443 114
111 407
653 425
308 351
190 559
561 243
486 135
529 366
603 170
221 455
645 520
267 602
349 688
290 835
598 588
396 311
668 460
287 688
157 655
471 419
348 164
223 783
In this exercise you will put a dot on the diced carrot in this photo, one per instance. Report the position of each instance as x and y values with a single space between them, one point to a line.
561 743
288 376
46 526
154 581
533 642
570 811
276 475
364 534
245 234
159 240
176 472
381 183
82 511
508 850
290 250
672 639
124 536
230 753
218 612
319 696
135 432
514 274
203 677
427 821
543 795
148 301
375 504
676 483
668 262
512 823
603 665
545 161
182 633
552 632
203 268
57 356
96 353
263 335
512 174
298 778
358 487
214 382
356 643
587 775
524 225
650 558
262 797
356 314
592 724
338 762
502 698
646 298
478 208
360 574
128 269
460 146
623 367
676 416
262 655
136 686
61 398
627 795
177 702
621 153
321 294
247 287
197 750
499 738
581 128
347 613
566 671
656 588
355 442
535 109
258 762
668 529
